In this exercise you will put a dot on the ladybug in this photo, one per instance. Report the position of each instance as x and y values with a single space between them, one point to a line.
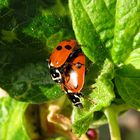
74 78
58 58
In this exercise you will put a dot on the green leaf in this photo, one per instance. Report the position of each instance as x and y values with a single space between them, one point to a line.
127 31
128 78
3 3
35 24
11 119
47 25
8 36
85 32
111 5
102 20
29 32
31 83
98 99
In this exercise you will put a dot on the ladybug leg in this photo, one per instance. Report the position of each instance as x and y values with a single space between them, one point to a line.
75 99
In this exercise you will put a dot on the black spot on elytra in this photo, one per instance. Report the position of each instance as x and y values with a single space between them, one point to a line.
68 47
59 48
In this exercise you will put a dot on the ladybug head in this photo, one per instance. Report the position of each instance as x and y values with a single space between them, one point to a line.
75 99
56 75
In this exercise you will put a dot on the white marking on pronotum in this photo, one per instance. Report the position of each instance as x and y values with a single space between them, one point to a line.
57 71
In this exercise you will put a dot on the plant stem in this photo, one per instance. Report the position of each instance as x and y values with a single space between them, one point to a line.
112 117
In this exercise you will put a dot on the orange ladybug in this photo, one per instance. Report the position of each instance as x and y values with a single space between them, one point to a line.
58 58
61 53
74 78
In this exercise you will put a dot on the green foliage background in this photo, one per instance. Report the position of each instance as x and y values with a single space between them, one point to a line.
109 34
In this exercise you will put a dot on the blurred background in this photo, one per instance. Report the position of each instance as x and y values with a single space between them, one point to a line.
129 126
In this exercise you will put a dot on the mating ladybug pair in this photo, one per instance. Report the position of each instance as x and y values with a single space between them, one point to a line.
67 67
